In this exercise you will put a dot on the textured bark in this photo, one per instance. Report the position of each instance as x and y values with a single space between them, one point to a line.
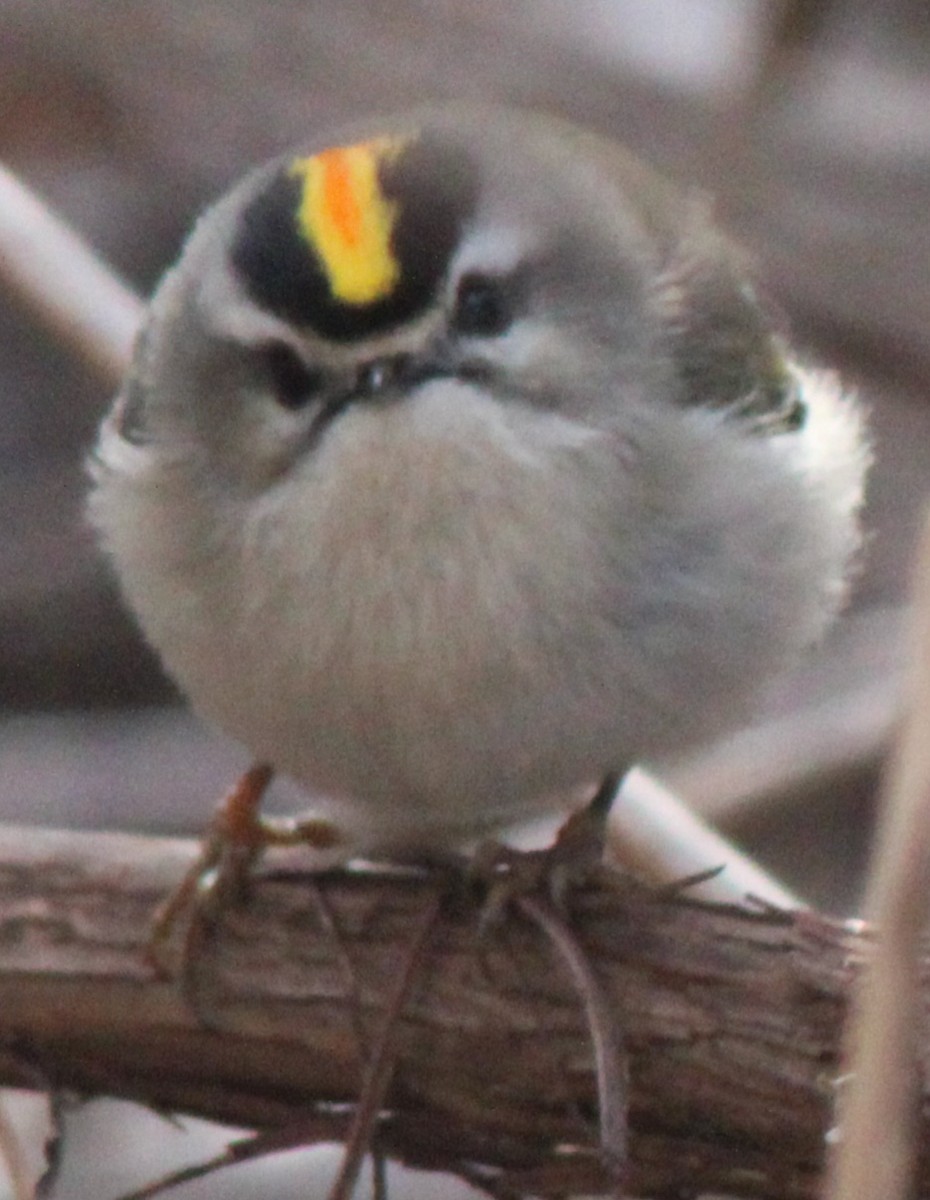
730 1018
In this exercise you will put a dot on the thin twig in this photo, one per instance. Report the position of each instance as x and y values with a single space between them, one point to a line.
54 1146
877 1131
324 915
381 1068
358 1136
609 1054
201 1170
379 1189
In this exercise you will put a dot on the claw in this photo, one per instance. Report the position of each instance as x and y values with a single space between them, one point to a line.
537 884
217 879
576 853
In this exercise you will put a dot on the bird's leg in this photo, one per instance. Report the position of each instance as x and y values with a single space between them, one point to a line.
236 837
536 884
579 844
578 850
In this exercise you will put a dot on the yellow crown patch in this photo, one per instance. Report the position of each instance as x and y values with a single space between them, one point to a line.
346 217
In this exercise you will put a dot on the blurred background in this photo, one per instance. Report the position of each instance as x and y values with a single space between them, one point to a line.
809 122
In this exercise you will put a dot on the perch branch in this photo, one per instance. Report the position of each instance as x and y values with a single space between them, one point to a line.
730 1019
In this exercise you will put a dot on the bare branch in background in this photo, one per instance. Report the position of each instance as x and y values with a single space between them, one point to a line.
52 272
840 724
878 1128
656 835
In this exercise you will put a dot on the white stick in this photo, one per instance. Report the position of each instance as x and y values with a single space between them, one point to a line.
52 271
653 833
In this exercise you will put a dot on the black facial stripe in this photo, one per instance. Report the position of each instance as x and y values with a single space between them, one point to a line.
271 258
434 187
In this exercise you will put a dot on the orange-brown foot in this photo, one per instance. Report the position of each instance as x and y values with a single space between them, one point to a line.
235 839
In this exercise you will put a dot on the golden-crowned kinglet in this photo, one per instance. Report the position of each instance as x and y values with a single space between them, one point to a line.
459 464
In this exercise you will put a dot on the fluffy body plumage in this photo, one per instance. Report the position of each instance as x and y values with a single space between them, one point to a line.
475 570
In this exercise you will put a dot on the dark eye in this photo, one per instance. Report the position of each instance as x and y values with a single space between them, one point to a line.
294 383
481 307
796 417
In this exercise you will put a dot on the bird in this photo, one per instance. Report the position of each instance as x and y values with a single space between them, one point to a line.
462 463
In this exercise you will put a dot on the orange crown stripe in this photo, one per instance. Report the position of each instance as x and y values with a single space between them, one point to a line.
347 219
340 196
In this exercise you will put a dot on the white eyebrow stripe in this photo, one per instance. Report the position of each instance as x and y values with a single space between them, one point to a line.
497 250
